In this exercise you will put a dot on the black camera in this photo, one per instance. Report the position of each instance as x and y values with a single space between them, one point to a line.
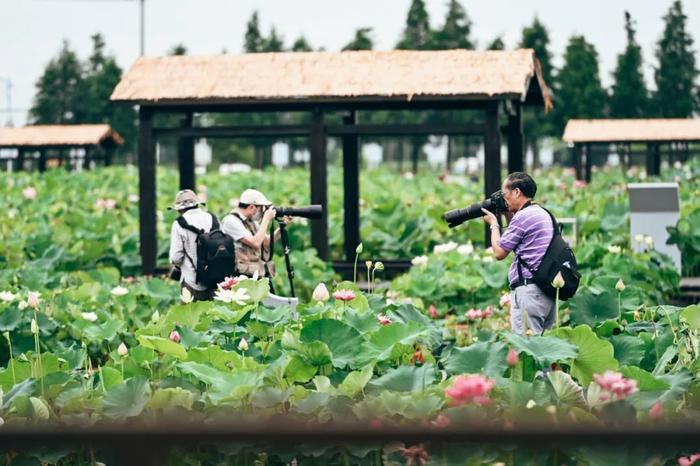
495 204
312 211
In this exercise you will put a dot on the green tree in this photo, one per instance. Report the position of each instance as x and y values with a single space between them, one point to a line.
362 40
253 40
59 91
301 45
497 44
274 42
416 35
536 124
178 49
629 93
456 31
676 94
579 92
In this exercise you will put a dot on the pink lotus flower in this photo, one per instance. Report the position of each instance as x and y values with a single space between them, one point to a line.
432 312
512 359
474 314
579 184
29 193
470 389
175 336
656 412
33 299
616 384
488 312
344 295
688 460
505 300
441 421
384 320
228 283
418 357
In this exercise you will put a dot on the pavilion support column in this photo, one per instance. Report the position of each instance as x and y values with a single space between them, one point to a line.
109 156
589 162
516 154
319 183
87 158
147 191
492 157
185 156
351 189
653 159
42 160
20 159
578 162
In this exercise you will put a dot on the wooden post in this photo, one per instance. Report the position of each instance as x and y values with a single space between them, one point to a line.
319 183
87 157
109 154
20 159
589 163
415 153
185 156
516 154
42 160
147 191
656 160
492 157
351 189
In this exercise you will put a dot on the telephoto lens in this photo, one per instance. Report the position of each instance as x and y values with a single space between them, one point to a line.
313 211
495 203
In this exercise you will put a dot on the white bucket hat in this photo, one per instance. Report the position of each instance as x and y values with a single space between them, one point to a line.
253 197
184 200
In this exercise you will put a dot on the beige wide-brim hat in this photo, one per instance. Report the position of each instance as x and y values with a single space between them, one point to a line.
253 197
185 199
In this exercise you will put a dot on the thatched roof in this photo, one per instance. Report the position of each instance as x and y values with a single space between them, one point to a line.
58 135
335 77
632 130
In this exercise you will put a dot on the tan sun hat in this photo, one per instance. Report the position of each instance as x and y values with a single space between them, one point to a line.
184 200
253 197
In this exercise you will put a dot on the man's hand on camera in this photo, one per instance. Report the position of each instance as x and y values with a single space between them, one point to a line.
489 218
269 215
286 220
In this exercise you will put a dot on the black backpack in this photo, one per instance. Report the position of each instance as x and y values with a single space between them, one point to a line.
559 258
216 253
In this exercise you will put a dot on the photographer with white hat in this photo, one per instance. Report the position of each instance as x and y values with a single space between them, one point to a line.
248 225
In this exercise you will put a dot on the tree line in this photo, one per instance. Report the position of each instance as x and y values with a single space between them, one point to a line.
75 91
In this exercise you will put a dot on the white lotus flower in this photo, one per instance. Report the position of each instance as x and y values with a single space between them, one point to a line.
487 259
238 296
22 305
7 296
466 249
122 350
320 293
133 198
649 241
186 296
443 248
531 404
639 238
119 291
89 316
243 345
419 260
614 249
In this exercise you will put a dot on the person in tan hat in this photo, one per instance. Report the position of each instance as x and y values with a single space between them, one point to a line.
248 225
183 243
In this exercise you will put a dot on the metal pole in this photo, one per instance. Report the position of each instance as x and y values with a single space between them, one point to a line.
143 9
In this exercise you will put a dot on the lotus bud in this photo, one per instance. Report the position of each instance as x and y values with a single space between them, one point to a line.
531 404
6 335
368 264
243 345
34 327
620 286
558 281
639 238
186 296
529 332
649 241
358 249
175 336
512 359
155 317
637 315
122 350
379 266
33 300
321 293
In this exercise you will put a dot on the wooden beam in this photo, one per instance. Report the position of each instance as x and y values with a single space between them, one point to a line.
319 183
407 129
185 156
492 157
254 131
147 191
516 153
351 189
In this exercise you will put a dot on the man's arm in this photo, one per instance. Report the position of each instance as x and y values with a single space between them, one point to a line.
259 238
491 220
177 247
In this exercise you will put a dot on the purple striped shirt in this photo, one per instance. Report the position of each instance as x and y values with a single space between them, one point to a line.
528 235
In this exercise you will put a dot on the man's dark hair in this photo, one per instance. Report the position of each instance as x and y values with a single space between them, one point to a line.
243 205
523 182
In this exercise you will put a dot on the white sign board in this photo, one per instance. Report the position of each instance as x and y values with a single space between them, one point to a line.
653 207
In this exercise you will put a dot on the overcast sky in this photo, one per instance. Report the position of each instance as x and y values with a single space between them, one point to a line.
31 31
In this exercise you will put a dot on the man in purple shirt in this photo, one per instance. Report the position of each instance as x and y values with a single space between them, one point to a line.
528 235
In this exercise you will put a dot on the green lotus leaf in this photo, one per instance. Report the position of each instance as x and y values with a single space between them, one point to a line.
589 309
629 350
355 382
404 379
171 397
342 340
487 358
595 355
163 345
544 349
565 389
127 399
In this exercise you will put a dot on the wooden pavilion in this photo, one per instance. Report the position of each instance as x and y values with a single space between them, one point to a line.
46 143
325 84
675 133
